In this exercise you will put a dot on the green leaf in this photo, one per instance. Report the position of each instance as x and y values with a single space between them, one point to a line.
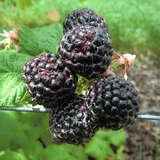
34 150
64 152
15 135
38 40
30 127
10 135
99 147
12 61
12 87
10 155
120 153
116 137
46 136
34 124
113 137
22 130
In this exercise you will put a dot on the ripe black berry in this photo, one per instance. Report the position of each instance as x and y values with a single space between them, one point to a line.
115 101
48 80
86 50
83 17
73 122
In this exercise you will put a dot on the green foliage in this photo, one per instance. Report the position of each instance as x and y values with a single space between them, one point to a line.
22 131
100 146
34 126
11 85
42 39
10 155
10 130
99 149
64 152
24 4
36 10
37 120
137 31
115 137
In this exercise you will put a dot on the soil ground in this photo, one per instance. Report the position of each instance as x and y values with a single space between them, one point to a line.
143 138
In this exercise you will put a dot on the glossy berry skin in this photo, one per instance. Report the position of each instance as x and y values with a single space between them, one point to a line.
83 17
114 101
73 123
48 80
86 50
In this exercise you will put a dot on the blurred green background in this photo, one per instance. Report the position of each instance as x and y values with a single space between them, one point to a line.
134 28
133 24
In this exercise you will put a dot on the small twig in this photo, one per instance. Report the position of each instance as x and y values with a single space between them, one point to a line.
46 110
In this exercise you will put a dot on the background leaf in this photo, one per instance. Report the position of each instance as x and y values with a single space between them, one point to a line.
11 134
64 152
24 3
33 127
115 137
99 147
11 155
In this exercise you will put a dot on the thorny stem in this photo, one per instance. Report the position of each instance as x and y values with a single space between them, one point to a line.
45 110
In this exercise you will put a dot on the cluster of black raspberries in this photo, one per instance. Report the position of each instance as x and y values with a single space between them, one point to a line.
51 79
